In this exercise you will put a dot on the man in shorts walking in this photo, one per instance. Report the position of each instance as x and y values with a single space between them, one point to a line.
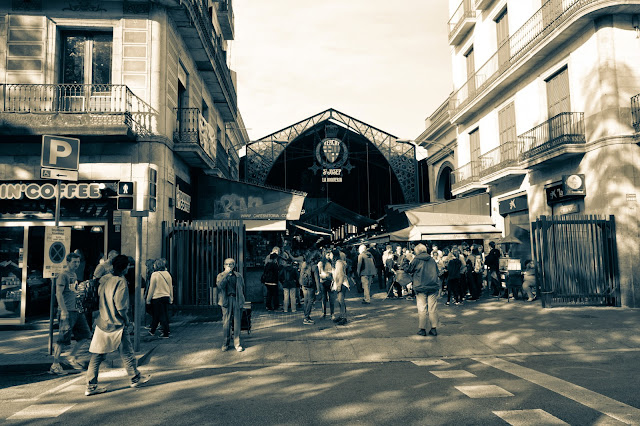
71 321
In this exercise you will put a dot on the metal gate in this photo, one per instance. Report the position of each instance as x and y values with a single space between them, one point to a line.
196 251
577 260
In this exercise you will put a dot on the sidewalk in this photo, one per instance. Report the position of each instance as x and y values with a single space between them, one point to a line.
383 331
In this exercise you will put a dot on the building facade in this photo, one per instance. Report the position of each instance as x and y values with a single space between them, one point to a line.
145 87
542 104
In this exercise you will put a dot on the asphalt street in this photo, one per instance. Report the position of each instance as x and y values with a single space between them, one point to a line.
461 391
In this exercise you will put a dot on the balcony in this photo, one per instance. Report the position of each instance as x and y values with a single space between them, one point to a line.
483 4
501 163
225 18
466 178
463 19
73 109
635 112
531 44
561 135
194 139
195 25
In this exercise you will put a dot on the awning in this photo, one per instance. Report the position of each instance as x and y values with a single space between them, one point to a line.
312 229
442 226
265 225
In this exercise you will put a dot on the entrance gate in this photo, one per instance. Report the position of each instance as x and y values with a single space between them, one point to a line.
577 260
195 252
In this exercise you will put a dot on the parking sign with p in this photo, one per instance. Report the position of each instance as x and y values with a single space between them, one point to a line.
60 152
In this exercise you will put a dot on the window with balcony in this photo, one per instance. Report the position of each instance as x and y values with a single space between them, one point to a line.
474 149
507 124
502 34
558 97
471 69
86 71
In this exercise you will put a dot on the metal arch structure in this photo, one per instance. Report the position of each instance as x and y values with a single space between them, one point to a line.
401 156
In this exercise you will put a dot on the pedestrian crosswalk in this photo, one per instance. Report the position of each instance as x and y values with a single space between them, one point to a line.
41 411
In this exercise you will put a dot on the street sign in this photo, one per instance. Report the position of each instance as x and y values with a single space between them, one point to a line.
59 174
59 152
57 241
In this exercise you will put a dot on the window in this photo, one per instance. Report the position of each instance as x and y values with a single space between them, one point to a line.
86 57
474 148
471 69
507 124
502 34
558 98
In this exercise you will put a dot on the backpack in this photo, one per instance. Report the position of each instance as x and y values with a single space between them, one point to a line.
307 278
477 267
87 299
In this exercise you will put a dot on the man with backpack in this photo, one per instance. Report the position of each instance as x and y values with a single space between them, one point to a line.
72 319
289 278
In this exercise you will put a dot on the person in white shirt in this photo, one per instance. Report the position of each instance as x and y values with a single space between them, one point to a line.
160 296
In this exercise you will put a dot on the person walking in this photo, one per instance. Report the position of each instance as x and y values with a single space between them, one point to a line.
325 272
339 287
289 278
110 332
231 286
366 270
424 271
160 296
71 320
492 260
310 283
103 268
270 278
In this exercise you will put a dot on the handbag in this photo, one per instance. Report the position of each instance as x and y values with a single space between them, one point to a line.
403 278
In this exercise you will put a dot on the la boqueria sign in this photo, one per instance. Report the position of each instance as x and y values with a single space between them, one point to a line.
227 199
47 191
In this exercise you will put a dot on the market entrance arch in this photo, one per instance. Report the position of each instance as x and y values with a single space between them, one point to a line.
378 170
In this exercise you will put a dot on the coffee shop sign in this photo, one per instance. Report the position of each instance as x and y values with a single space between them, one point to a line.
47 191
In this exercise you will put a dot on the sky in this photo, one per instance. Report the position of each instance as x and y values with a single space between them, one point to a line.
384 62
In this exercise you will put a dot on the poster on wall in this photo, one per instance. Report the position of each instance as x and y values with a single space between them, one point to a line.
226 199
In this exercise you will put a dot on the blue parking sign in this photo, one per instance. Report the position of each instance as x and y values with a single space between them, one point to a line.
60 152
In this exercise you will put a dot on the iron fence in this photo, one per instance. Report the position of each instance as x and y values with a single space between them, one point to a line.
534 32
506 155
563 129
196 251
577 260
464 11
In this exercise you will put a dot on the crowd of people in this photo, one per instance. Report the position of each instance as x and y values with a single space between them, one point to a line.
107 325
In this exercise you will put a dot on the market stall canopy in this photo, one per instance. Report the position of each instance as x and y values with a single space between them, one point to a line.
311 229
441 226
220 198
517 235
340 213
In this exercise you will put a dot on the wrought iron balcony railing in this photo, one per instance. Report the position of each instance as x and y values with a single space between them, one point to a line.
106 100
635 112
199 9
466 174
225 18
566 128
463 13
506 155
192 128
534 32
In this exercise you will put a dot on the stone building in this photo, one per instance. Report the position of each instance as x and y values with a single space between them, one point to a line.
544 108
144 86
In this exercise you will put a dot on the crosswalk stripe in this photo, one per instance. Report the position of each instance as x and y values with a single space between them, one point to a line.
429 362
41 411
612 408
528 417
484 391
452 374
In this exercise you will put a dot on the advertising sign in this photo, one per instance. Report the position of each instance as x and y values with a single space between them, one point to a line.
226 199
57 241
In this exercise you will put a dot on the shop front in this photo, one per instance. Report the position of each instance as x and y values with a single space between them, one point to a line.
517 227
31 253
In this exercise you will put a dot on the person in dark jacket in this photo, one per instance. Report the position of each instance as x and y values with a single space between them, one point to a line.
270 280
426 285
454 286
492 260
367 270
289 278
